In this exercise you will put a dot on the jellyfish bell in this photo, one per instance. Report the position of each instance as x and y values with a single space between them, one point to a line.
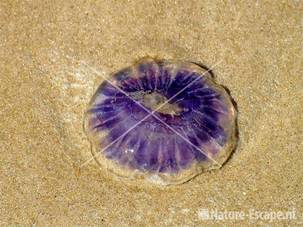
161 121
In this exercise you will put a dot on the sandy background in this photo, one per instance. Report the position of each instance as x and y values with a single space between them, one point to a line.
52 54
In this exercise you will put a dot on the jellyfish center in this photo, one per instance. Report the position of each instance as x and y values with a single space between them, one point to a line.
158 102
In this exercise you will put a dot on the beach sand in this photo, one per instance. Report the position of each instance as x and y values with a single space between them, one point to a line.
53 55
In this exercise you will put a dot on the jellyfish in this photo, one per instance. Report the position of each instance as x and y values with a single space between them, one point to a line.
161 121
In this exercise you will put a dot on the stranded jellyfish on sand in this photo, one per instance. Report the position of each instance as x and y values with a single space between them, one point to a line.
162 121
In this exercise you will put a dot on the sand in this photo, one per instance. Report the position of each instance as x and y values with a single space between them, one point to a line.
53 54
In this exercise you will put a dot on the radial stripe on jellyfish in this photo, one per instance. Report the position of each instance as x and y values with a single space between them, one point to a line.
160 120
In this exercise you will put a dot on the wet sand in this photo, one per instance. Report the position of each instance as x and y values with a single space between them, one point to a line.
54 54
